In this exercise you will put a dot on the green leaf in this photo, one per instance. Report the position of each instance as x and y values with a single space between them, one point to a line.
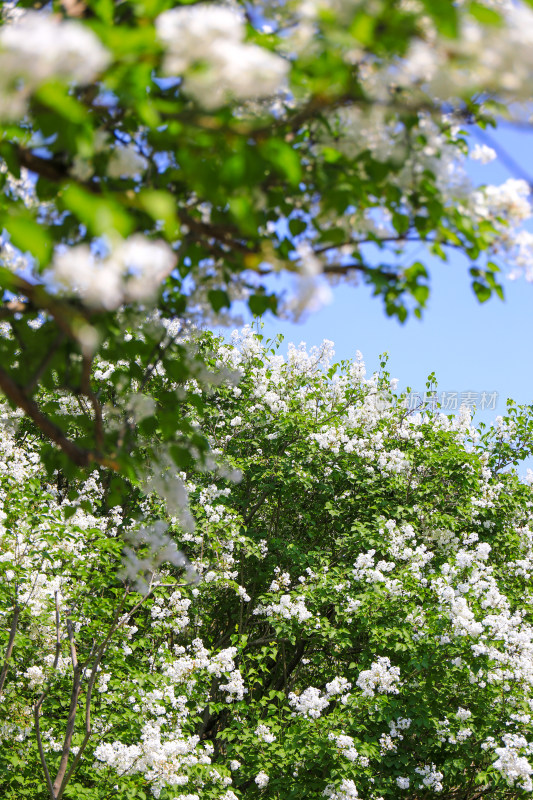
420 293
484 14
284 158
8 152
445 15
101 215
297 226
218 299
29 236
362 28
483 292
161 206
56 96
259 303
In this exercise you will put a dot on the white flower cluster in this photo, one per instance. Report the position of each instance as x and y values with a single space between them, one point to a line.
310 703
511 762
264 733
131 272
388 742
160 548
204 43
463 714
126 162
495 57
431 777
507 207
381 678
35 676
483 153
262 779
346 747
338 686
185 667
347 790
286 608
38 46
172 614
164 761
165 752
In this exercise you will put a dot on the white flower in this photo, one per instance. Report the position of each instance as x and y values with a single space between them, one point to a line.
338 686
346 791
262 779
41 47
403 783
206 43
35 676
512 765
264 733
310 703
126 162
132 271
482 153
381 677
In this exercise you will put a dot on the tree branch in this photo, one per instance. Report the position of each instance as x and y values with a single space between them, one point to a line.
11 642
80 457
39 703
97 408
115 626
71 721
46 167
45 363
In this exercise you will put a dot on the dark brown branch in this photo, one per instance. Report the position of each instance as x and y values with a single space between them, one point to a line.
11 642
289 668
67 316
115 626
256 506
71 721
218 232
80 457
343 269
45 363
42 166
97 408
399 239
12 307
39 703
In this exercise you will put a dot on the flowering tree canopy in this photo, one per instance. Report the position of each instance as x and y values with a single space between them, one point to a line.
353 618
172 160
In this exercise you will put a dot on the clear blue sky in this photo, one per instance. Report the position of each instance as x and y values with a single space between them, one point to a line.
470 347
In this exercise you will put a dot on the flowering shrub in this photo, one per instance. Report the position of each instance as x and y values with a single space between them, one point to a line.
349 616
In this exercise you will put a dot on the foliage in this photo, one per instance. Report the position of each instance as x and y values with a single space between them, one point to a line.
355 620
175 159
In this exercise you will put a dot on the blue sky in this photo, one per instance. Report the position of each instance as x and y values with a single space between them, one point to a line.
470 347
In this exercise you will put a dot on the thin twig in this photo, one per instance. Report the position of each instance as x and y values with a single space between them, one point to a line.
71 720
97 408
77 454
45 363
11 642
40 701
115 626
